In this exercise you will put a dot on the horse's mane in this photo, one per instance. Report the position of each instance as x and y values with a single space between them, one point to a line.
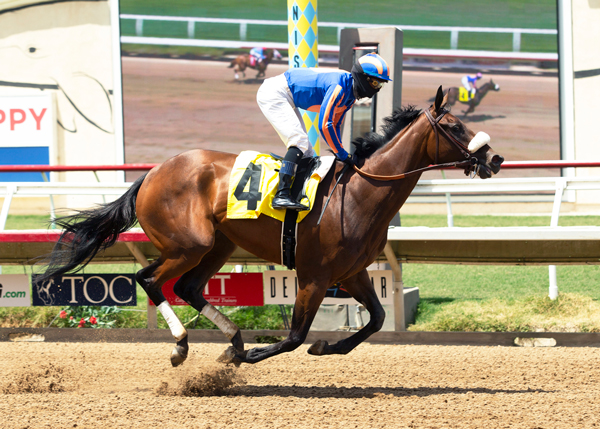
365 146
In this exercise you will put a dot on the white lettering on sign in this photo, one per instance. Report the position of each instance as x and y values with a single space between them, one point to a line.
281 287
222 278
108 288
27 121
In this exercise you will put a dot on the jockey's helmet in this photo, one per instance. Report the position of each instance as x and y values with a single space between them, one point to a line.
479 75
370 73
375 66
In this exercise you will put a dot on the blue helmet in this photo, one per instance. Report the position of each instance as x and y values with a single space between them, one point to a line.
375 66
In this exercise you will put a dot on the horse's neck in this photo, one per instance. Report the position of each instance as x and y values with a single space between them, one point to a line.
404 153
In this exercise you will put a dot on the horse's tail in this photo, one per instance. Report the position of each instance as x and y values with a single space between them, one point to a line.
232 63
90 231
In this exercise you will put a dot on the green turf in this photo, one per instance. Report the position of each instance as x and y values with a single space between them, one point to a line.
537 14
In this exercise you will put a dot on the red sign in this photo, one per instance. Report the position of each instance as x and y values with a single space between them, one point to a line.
227 289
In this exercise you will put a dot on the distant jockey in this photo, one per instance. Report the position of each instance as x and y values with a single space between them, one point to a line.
470 83
260 54
332 94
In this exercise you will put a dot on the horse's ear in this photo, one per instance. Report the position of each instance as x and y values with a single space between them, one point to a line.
439 99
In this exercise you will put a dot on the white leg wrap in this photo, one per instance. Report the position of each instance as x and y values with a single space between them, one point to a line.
223 323
176 326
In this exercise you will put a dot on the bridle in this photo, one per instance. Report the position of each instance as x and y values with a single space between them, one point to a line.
470 164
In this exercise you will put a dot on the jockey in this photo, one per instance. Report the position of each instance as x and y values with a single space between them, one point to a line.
258 53
332 94
470 83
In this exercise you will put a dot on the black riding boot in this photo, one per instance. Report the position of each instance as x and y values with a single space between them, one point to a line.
283 198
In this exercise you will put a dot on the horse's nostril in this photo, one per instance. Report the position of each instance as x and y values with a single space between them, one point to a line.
497 159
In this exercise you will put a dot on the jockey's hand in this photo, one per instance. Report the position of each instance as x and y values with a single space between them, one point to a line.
349 161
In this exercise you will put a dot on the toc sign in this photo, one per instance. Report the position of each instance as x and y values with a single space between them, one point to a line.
281 287
86 289
27 134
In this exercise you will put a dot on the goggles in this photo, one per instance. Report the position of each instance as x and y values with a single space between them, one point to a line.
375 83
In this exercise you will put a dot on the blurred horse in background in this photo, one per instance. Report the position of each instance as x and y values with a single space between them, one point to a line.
242 62
462 95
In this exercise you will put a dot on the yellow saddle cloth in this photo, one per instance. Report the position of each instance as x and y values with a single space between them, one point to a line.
464 95
253 183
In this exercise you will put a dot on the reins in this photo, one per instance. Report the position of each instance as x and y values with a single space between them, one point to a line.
468 163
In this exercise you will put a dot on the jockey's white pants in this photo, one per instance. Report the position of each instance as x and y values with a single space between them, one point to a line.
277 104
466 83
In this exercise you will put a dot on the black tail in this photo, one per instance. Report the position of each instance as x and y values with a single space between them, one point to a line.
90 231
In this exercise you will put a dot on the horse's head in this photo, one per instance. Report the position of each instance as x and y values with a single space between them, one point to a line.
451 140
493 86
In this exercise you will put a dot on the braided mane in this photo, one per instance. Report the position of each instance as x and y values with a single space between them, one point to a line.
365 146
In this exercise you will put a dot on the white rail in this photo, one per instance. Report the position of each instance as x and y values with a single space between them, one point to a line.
558 185
243 23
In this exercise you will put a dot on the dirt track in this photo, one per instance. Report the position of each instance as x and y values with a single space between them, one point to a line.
176 105
375 386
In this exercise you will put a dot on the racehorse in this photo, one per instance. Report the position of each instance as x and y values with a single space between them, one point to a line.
454 95
241 62
182 204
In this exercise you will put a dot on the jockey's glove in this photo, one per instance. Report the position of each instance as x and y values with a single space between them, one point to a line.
349 161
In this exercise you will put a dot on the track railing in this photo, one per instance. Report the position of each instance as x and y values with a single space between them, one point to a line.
547 245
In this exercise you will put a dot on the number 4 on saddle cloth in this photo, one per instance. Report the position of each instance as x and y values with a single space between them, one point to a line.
464 95
254 179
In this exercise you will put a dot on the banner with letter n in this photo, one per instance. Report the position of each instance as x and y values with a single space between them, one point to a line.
281 287
225 289
14 290
86 289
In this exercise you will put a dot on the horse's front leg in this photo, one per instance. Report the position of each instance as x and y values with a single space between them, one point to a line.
307 304
361 289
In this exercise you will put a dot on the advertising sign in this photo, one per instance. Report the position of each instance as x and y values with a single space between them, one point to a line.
27 134
281 288
226 289
86 289
14 290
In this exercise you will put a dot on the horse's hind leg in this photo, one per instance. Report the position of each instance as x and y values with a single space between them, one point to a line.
362 290
190 286
153 277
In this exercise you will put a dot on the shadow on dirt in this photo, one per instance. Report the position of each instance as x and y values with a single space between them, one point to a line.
480 118
362 392
249 81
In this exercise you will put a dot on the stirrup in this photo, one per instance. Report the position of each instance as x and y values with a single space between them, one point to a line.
288 204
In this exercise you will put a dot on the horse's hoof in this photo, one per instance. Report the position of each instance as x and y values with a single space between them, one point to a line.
231 355
318 348
178 355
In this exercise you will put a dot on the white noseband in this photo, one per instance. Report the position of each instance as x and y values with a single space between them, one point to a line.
479 141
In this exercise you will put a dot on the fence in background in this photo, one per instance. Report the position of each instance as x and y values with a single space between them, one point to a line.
496 245
454 32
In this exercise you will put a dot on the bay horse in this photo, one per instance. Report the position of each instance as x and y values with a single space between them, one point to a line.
182 204
242 62
453 95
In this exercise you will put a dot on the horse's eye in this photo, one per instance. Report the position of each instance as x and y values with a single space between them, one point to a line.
456 128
